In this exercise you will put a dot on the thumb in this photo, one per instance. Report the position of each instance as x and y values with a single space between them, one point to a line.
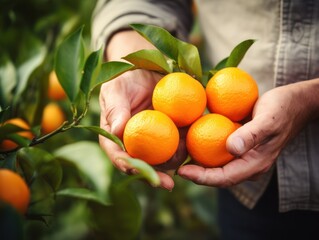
247 137
117 120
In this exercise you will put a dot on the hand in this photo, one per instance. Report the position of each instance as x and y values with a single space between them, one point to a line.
119 100
278 116
126 95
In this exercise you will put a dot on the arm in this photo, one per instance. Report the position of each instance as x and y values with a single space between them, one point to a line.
279 115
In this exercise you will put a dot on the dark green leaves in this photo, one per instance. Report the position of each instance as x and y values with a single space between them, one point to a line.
110 70
76 72
160 38
68 63
185 56
150 59
235 57
238 53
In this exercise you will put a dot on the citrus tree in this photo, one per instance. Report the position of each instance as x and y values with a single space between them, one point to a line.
48 134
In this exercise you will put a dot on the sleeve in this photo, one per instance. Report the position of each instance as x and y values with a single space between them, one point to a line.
110 16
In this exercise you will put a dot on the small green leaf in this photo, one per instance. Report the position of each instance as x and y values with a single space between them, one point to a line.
160 38
69 59
110 70
145 170
238 53
85 194
189 59
90 65
8 129
101 131
219 66
149 59
19 140
184 54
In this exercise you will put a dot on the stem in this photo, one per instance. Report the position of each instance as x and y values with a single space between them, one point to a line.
39 140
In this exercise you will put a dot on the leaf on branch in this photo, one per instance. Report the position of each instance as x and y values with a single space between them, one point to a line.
101 131
145 170
238 53
69 61
84 194
110 70
149 59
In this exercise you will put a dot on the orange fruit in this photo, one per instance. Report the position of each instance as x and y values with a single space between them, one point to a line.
7 145
151 136
14 190
55 90
52 117
206 140
231 92
181 97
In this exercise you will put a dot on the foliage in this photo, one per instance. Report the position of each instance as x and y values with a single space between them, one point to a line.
76 192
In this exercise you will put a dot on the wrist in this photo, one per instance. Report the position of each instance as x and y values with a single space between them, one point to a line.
123 43
308 92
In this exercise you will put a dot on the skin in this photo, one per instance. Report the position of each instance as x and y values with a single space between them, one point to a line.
278 116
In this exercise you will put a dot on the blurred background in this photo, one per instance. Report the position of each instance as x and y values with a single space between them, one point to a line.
30 32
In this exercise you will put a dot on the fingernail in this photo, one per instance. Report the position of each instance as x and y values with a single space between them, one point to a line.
238 145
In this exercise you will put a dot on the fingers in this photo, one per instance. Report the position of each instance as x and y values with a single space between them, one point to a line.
235 172
166 181
115 108
250 135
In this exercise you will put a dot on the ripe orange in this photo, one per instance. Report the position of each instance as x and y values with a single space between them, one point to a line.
206 140
55 90
180 97
52 117
232 92
7 145
152 136
14 190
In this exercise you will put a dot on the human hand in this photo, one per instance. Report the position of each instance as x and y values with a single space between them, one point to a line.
119 100
277 117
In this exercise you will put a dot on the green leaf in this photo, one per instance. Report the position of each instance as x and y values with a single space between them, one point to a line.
8 129
38 163
8 80
69 59
110 70
160 38
149 59
238 53
121 220
85 194
145 170
92 161
31 56
90 65
189 59
219 66
43 173
184 54
101 131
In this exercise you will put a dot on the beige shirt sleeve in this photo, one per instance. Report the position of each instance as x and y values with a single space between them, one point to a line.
111 16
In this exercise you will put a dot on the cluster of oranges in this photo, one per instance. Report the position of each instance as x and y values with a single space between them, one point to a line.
179 100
